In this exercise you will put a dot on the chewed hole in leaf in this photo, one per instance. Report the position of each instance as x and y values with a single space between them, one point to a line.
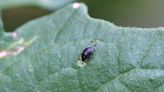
81 63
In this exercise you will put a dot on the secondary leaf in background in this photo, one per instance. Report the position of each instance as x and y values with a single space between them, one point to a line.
1 26
49 4
125 59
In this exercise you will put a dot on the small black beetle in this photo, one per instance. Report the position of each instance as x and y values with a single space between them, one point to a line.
87 53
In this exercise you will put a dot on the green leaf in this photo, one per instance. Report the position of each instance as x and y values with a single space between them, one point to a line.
48 4
1 27
44 56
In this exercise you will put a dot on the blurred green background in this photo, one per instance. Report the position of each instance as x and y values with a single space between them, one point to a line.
135 13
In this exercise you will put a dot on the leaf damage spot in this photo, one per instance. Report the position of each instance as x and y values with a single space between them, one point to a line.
81 63
19 50
4 54
76 5
17 47
11 52
14 35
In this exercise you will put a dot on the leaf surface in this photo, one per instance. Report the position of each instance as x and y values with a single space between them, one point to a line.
125 59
